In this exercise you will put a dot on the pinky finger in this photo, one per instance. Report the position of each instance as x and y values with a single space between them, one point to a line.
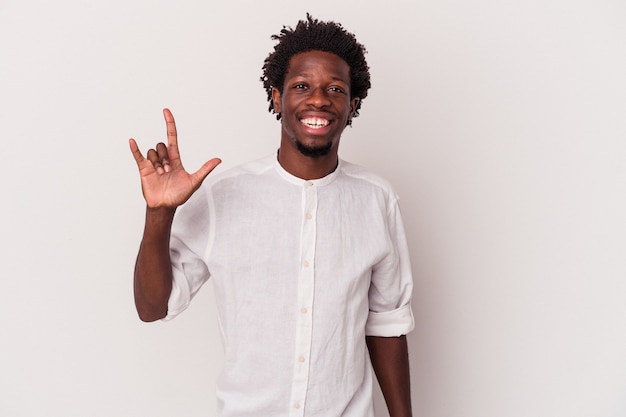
134 149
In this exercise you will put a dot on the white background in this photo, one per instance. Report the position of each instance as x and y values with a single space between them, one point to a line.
501 124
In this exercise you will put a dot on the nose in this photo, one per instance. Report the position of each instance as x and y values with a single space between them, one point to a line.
318 98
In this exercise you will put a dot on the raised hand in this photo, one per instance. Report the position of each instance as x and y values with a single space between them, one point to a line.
164 181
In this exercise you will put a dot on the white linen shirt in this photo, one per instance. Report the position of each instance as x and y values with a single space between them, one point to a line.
302 272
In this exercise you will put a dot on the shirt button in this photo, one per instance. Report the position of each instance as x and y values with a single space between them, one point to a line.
303 310
305 264
309 184
301 359
309 216
296 405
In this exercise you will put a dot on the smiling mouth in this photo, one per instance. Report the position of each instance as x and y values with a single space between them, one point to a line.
315 122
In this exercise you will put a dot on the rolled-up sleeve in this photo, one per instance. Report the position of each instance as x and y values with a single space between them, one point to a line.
391 286
188 243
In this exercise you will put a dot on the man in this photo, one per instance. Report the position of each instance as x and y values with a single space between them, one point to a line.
307 252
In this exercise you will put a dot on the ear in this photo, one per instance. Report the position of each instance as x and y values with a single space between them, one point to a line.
276 100
354 101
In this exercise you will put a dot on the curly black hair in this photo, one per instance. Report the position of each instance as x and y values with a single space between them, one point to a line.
314 35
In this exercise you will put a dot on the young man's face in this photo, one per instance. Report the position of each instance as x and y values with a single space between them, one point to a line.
315 104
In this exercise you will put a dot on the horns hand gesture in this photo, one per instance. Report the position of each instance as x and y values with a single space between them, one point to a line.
164 181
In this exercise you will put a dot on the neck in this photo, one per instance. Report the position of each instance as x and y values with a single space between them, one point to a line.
307 167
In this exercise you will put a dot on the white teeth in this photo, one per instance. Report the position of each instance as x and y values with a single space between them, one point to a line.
315 123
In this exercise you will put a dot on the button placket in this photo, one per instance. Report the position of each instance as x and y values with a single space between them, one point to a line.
306 281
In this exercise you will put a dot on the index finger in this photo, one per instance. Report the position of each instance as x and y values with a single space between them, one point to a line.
172 136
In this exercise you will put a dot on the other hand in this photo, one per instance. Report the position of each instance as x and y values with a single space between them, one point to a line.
164 181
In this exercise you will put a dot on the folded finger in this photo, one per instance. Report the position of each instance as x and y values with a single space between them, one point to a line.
153 157
163 157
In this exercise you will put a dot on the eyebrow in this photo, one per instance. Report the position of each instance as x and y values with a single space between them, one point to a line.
307 75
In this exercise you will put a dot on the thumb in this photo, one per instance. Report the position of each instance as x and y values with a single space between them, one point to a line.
201 174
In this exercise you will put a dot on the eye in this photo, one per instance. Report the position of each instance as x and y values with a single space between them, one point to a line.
336 89
299 86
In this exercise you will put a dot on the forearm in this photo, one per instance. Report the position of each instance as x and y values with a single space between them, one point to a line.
153 270
390 360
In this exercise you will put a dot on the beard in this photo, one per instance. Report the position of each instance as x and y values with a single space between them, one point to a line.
313 151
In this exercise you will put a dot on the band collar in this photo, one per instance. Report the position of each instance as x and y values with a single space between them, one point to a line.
319 182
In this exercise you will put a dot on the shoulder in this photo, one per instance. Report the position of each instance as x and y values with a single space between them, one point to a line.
368 178
254 168
229 183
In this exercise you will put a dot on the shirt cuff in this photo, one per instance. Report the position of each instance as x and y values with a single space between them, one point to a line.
392 323
179 297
